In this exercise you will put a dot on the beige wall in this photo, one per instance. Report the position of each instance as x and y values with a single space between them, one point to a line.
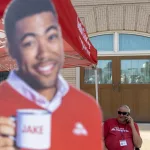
70 75
114 15
101 2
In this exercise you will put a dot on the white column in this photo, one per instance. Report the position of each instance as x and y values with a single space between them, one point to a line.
116 42
78 77
96 85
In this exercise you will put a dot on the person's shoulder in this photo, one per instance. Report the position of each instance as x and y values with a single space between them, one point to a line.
80 94
110 120
3 85
136 125
81 98
83 104
3 90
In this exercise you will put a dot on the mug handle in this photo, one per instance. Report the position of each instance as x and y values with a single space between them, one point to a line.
13 118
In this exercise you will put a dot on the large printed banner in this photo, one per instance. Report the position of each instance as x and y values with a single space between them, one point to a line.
78 49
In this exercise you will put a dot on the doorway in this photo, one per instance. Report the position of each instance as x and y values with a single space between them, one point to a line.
121 80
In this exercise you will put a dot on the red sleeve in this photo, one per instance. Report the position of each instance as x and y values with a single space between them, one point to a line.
137 128
105 129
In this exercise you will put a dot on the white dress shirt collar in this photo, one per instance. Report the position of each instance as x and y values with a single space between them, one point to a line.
25 90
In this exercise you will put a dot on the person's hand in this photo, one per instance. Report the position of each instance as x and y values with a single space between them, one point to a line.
7 128
130 120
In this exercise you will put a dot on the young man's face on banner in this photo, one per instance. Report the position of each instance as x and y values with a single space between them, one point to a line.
38 49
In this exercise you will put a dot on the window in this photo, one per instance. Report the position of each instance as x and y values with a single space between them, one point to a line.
135 71
132 71
130 42
103 42
104 73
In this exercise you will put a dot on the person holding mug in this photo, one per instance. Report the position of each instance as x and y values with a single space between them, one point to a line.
35 41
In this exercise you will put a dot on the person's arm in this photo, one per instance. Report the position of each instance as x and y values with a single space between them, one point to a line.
137 140
7 128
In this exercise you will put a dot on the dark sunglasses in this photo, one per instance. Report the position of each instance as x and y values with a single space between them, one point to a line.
124 113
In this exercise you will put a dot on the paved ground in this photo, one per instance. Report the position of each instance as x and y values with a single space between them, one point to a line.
145 134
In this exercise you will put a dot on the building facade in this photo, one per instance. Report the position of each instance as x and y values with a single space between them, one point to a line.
120 31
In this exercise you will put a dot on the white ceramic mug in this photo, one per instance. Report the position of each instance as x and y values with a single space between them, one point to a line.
33 129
